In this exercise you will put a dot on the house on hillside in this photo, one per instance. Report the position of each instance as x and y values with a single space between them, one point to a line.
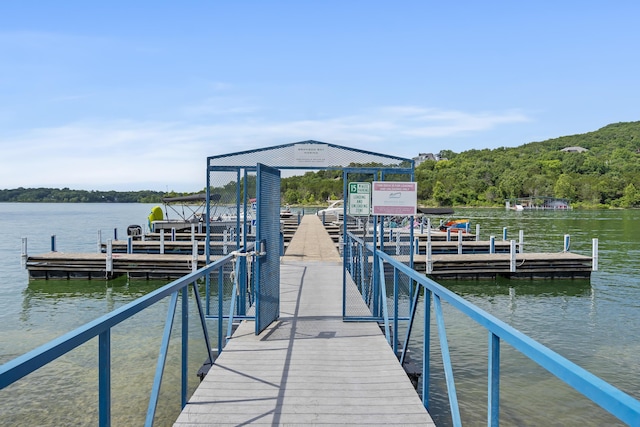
574 150
425 156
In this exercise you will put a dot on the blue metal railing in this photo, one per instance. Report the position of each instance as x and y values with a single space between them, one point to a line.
18 368
618 403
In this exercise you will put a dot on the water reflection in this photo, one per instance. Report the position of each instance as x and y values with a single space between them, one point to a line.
512 288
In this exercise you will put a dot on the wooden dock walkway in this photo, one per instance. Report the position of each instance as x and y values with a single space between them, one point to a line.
309 367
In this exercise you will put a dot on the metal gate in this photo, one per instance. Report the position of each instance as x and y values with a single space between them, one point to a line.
268 244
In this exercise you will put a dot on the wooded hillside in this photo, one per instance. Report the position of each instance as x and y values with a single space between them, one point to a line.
606 175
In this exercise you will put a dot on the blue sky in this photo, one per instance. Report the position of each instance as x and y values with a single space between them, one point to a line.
135 95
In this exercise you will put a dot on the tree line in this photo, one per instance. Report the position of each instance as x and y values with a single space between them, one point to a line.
605 174
66 195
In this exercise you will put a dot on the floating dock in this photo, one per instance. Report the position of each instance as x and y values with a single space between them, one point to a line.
148 258
559 265
60 265
450 259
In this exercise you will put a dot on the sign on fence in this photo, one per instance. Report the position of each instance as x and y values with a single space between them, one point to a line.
359 199
395 198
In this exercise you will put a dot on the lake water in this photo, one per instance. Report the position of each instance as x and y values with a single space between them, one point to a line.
595 323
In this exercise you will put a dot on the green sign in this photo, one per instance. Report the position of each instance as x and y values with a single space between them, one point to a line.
359 199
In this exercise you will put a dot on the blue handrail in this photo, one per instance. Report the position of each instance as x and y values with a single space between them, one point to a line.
621 405
21 366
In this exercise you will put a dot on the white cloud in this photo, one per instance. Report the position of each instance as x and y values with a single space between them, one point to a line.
157 155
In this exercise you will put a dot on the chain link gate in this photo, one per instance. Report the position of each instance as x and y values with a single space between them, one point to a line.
267 247
231 195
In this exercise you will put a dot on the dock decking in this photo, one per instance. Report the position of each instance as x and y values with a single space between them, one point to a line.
309 367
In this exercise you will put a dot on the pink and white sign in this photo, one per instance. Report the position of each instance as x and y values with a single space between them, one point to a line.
394 198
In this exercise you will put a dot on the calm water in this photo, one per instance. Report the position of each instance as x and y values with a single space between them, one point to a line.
595 323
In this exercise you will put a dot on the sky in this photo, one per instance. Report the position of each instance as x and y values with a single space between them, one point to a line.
129 96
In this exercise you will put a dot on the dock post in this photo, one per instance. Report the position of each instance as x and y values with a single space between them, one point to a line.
429 266
521 239
504 233
109 266
299 218
24 252
477 232
129 244
173 234
193 232
459 242
53 243
162 241
416 244
492 244
594 255
194 255
99 241
448 234
397 243
422 226
567 243
512 257
115 234
224 241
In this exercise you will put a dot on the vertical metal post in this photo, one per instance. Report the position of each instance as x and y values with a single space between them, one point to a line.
594 254
492 244
567 243
115 234
99 241
448 234
459 242
185 345
53 243
193 232
225 240
104 378
504 233
129 244
375 277
493 409
512 257
477 232
416 246
162 241
173 234
426 347
521 238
